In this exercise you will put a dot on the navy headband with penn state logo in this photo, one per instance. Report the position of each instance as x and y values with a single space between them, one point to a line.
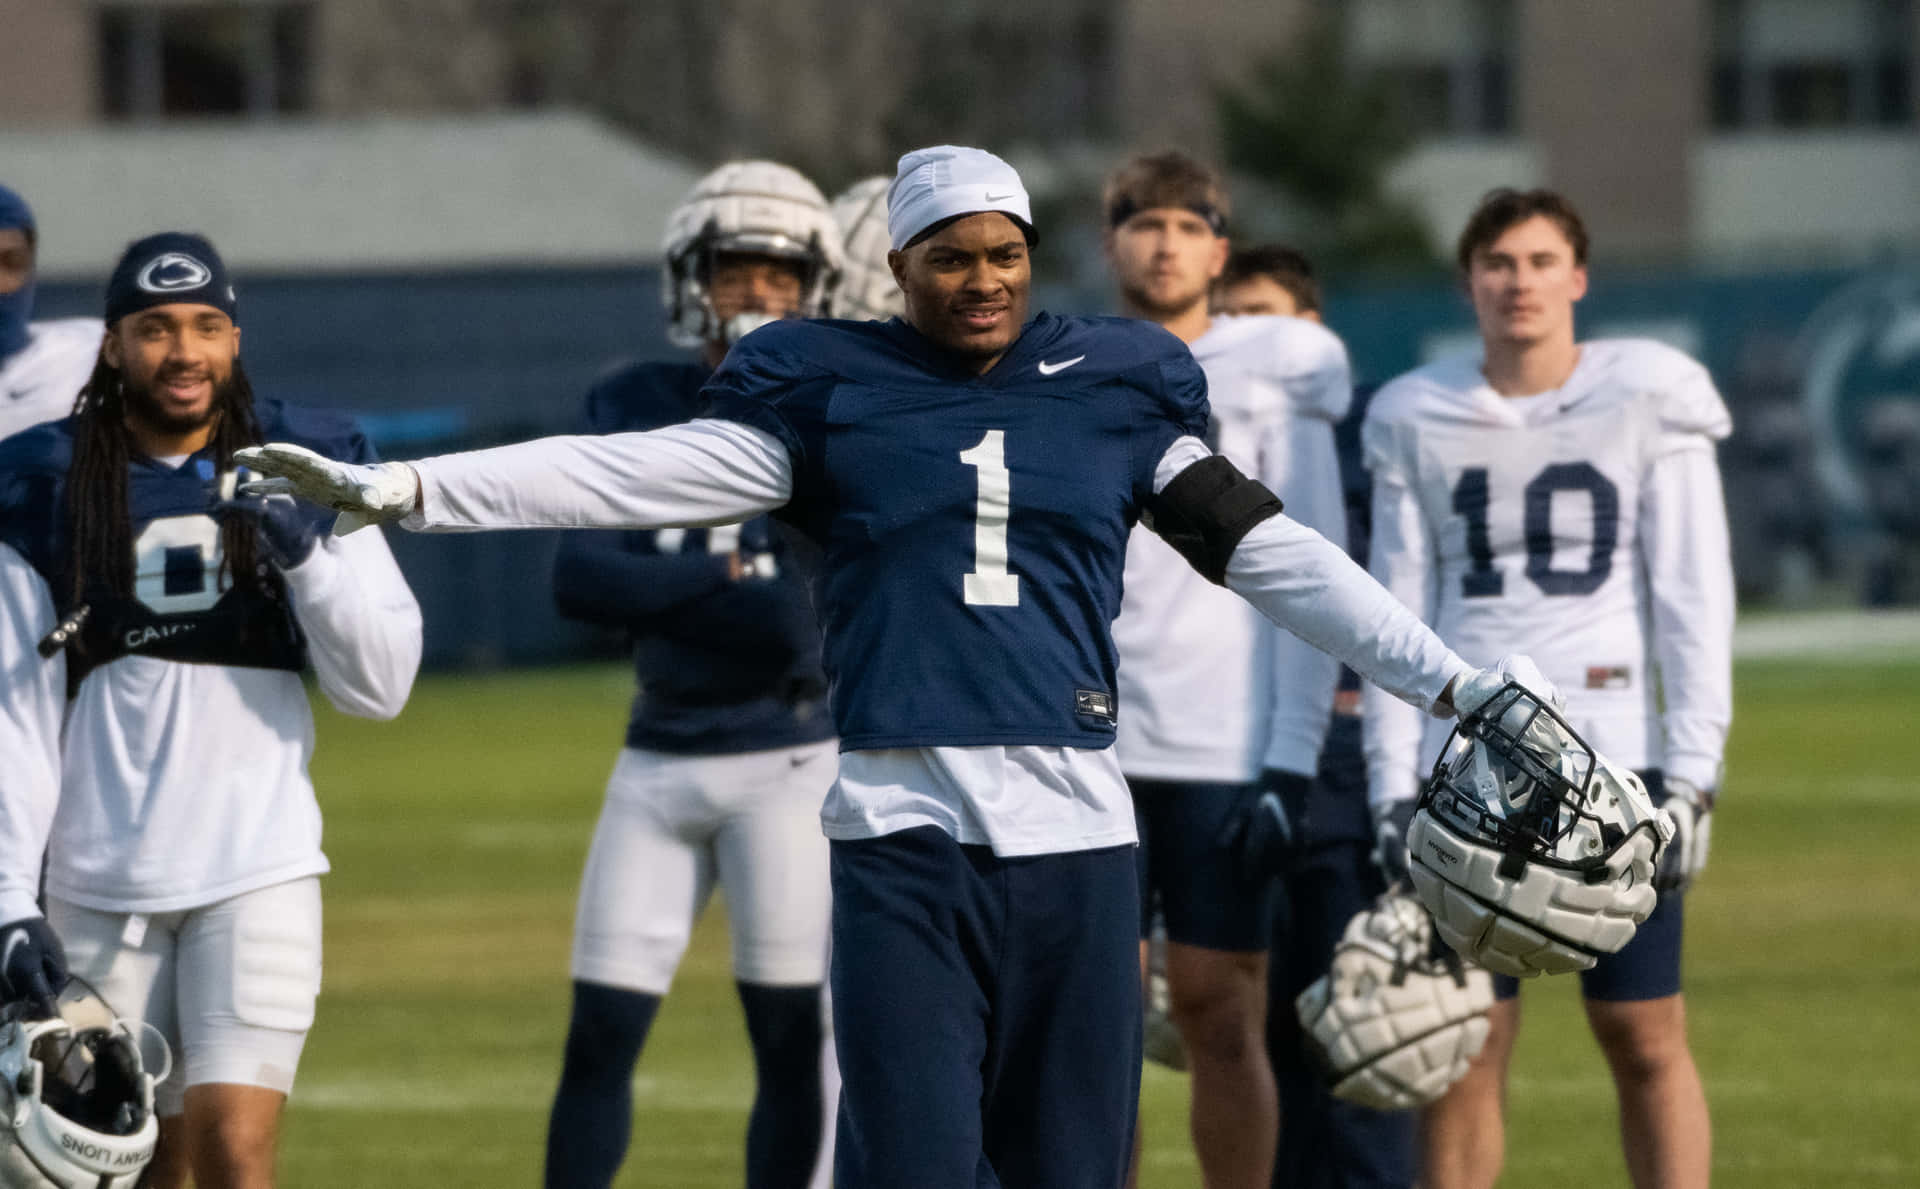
173 266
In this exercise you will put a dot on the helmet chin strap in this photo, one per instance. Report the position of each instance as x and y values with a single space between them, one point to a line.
737 327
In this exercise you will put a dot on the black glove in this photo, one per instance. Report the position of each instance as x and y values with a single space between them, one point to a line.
1390 843
33 964
1260 836
289 528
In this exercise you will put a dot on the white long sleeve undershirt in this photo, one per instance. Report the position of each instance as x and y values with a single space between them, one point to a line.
1021 799
167 785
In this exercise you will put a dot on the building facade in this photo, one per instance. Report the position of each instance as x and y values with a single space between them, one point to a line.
1748 131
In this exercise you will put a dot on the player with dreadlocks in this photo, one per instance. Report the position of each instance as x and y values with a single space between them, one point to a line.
166 622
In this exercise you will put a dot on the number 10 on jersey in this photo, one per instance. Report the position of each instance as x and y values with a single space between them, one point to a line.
990 584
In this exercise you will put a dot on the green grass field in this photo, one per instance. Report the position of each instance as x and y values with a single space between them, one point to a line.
457 834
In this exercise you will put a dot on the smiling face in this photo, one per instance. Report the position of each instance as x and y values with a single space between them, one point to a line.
1165 259
968 285
1524 285
174 362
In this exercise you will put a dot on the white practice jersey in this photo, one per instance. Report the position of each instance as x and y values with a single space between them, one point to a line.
180 784
1209 690
1020 800
40 381
1584 527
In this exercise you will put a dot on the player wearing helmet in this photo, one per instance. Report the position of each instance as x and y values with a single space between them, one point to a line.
1562 498
729 750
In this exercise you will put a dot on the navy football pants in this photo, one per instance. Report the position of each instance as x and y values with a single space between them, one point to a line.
987 1015
1325 1143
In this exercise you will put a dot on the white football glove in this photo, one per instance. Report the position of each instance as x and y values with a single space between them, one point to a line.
363 495
1690 809
1470 691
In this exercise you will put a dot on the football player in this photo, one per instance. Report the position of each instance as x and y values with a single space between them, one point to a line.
729 749
167 622
1211 694
1269 279
971 475
1327 874
1562 497
42 364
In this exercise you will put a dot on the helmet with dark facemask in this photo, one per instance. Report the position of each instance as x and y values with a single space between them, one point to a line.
1534 853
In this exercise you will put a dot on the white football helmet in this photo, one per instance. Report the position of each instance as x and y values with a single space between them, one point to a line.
1396 1019
867 290
1534 854
76 1100
754 208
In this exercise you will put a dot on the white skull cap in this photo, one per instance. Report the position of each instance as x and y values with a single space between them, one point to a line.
937 184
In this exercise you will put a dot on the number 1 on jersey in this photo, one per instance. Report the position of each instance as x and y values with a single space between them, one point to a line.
990 584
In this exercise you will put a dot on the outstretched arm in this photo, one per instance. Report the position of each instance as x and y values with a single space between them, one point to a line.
1231 529
701 473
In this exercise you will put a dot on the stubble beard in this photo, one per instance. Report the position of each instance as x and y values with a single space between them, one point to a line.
141 405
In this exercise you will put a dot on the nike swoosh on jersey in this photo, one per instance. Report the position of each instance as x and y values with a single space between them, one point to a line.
1047 369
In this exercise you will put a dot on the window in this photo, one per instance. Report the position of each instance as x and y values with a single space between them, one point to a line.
1812 63
1445 63
162 58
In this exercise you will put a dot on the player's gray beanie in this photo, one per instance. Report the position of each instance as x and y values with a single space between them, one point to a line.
946 181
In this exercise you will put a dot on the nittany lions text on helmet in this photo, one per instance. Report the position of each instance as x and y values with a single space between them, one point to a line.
752 208
1396 1019
1534 854
867 290
76 1100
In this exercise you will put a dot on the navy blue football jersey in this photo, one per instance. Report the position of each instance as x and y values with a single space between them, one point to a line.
972 527
183 607
723 666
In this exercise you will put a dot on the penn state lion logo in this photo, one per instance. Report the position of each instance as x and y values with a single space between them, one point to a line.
173 272
1861 360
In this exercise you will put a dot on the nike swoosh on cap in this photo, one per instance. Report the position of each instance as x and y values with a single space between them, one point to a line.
1047 369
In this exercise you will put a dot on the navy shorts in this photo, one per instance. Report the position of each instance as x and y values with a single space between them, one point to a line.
1649 967
1186 870
986 1012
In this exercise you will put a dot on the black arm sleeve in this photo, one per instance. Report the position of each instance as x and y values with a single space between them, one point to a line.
1205 511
